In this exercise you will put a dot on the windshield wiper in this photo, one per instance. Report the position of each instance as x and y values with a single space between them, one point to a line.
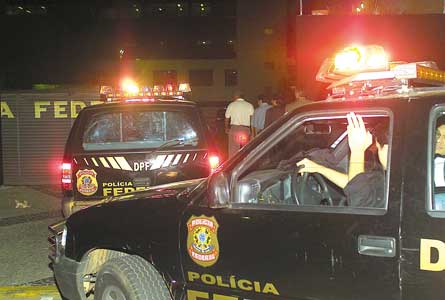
172 143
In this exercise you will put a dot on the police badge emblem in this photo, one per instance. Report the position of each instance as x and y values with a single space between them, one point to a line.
86 182
202 240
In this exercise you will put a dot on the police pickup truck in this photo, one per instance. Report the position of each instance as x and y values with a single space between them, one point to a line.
259 228
138 138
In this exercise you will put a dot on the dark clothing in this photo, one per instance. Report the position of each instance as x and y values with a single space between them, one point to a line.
366 190
273 114
324 157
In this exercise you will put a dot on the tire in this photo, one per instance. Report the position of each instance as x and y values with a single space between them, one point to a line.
130 278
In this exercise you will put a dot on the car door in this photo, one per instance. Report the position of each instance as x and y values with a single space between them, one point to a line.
270 247
423 237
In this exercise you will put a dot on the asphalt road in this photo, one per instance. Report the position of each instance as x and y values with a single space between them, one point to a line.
24 252
24 263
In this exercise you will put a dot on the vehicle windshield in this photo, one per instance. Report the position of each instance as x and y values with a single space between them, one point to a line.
142 130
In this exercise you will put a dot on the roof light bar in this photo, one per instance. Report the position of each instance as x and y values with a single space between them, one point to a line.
130 92
352 60
365 71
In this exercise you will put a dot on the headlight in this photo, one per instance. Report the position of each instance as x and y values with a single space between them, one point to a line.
63 239
57 240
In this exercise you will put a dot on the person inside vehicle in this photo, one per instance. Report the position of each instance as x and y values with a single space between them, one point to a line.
439 166
362 187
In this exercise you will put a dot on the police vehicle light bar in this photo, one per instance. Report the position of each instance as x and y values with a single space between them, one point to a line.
353 60
129 91
366 72
358 58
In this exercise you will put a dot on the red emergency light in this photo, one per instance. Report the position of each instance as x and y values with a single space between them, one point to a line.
129 91
242 138
66 177
144 100
213 162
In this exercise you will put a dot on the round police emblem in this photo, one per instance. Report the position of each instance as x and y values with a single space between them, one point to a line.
202 240
86 182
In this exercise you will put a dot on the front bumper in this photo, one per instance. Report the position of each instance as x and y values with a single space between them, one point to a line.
69 278
68 272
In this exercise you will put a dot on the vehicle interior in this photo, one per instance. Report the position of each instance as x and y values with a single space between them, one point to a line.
275 179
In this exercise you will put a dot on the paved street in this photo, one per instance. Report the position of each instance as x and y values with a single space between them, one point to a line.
25 213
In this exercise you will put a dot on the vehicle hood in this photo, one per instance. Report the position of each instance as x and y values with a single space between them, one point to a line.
159 192
130 221
171 194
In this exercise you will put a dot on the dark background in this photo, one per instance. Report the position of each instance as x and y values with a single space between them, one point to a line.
72 42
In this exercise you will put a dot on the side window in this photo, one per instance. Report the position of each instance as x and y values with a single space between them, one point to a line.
314 164
438 146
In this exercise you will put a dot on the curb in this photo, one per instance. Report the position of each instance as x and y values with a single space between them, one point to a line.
25 218
29 293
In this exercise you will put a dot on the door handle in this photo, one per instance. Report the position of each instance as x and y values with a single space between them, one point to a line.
381 246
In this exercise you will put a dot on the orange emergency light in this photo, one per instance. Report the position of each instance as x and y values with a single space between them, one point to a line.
353 60
129 86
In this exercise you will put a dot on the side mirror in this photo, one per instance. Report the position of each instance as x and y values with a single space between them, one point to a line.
218 193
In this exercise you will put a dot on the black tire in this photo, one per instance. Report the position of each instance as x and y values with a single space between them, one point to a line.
130 278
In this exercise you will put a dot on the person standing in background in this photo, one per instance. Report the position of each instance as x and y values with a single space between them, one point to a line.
237 122
259 116
276 111
298 99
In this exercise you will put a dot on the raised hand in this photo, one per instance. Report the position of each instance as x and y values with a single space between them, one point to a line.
359 138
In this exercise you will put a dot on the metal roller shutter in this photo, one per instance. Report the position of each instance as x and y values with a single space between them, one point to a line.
33 140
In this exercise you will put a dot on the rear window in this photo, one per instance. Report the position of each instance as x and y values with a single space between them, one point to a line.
141 130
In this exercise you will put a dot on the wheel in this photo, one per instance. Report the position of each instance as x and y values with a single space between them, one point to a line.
130 278
306 196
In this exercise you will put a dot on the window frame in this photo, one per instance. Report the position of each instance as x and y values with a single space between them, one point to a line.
280 134
227 82
435 112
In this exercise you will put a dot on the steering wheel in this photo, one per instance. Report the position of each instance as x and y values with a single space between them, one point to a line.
305 196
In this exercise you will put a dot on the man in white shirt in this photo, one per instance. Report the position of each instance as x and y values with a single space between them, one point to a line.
238 115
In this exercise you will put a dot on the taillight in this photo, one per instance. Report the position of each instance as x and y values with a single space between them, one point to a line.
66 177
242 138
213 162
